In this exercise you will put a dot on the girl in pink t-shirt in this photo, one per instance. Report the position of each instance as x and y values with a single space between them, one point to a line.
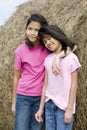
59 92
29 76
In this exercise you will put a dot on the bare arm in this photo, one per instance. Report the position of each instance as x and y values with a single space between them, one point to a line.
17 75
72 97
68 51
75 48
41 108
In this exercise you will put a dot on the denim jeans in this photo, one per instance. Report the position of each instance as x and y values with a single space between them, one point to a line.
26 107
55 118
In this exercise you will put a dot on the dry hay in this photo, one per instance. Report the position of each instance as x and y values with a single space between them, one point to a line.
71 16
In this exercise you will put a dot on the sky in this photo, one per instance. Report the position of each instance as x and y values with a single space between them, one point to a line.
7 7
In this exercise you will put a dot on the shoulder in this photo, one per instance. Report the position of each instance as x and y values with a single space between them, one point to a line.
20 48
50 56
71 56
73 61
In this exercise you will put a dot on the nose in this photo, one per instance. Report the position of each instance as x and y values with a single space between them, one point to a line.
48 42
32 32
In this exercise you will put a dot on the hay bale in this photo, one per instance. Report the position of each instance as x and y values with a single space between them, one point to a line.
71 16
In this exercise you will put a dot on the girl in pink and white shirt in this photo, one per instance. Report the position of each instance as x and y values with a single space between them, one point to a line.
59 92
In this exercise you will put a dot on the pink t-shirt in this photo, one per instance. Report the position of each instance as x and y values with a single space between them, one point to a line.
58 87
31 62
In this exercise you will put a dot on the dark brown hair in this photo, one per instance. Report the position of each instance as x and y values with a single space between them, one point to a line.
58 34
37 18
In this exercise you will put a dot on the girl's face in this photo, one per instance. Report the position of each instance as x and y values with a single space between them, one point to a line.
52 44
32 32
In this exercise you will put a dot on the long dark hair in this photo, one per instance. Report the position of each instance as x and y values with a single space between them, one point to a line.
56 32
37 18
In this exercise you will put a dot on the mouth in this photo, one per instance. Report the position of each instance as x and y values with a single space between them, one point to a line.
32 36
50 46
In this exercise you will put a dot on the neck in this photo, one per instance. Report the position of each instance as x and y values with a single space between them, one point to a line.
36 43
58 50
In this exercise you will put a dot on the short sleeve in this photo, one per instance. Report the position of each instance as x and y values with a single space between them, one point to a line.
18 61
75 64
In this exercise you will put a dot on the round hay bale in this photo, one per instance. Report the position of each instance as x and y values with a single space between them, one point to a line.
71 16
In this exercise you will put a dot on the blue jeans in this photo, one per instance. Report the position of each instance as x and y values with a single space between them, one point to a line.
26 107
55 118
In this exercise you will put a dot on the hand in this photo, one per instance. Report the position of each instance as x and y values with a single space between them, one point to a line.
13 108
55 67
68 116
38 116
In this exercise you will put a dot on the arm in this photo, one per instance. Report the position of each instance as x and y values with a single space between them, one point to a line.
17 75
41 108
68 51
72 97
55 67
75 48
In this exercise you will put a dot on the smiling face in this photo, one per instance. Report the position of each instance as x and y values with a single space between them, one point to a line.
52 44
32 32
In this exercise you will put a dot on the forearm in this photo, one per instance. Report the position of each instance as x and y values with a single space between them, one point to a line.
42 103
41 108
68 51
69 110
15 83
39 113
73 91
72 97
75 48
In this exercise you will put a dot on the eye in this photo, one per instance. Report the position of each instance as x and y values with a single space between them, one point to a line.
48 38
45 41
29 28
37 30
